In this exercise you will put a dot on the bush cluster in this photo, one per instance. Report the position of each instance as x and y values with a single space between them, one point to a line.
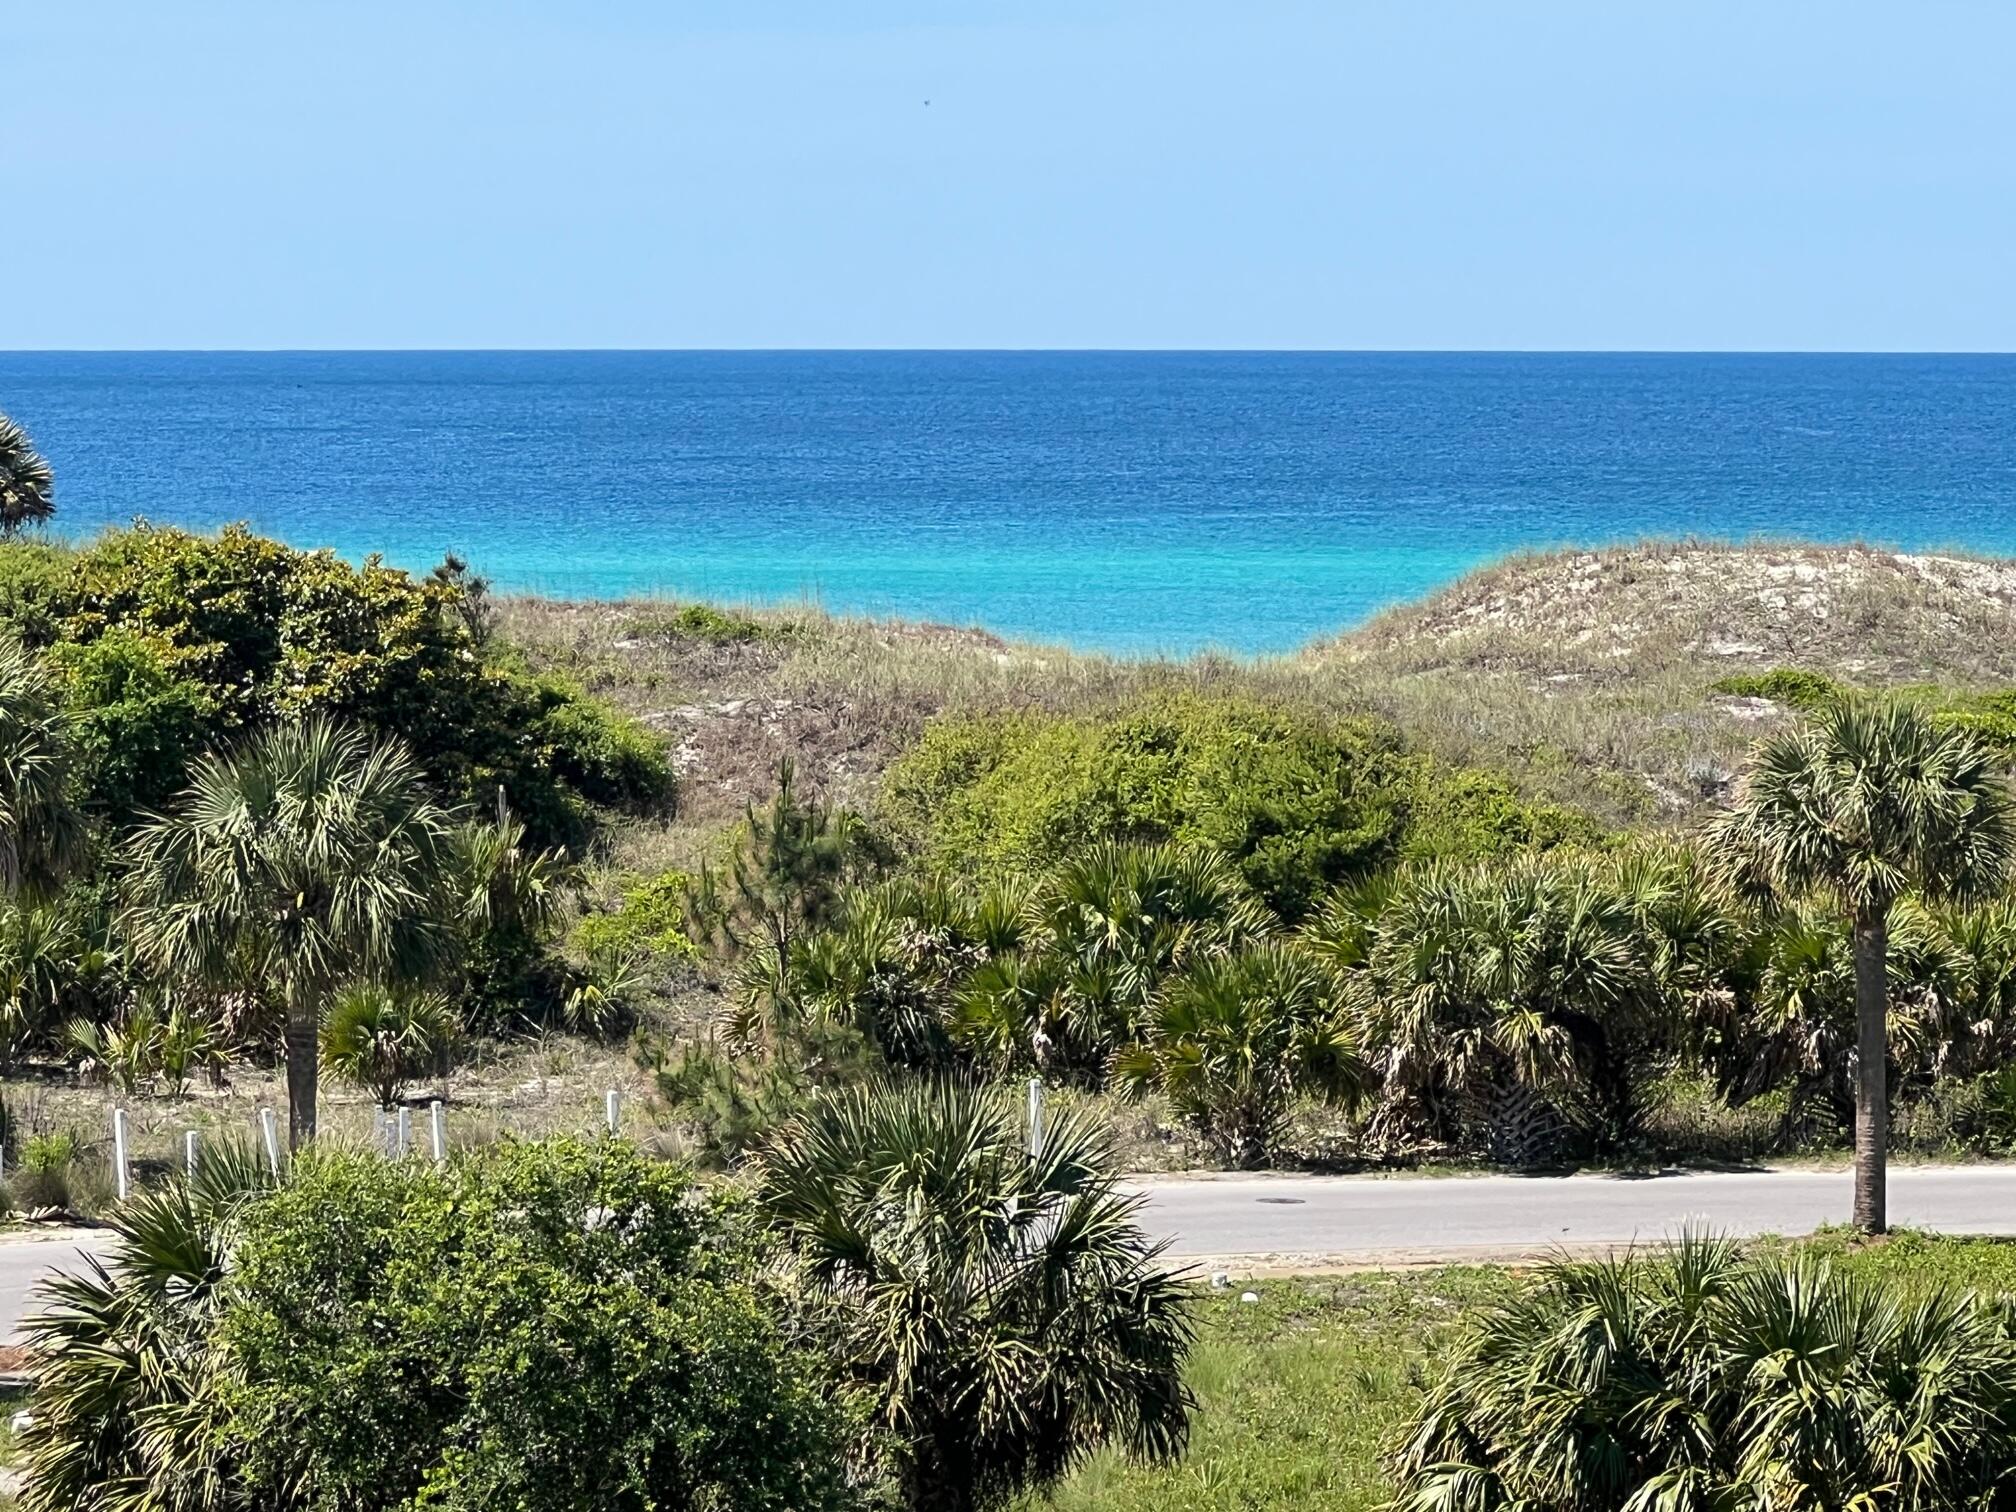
1300 804
167 644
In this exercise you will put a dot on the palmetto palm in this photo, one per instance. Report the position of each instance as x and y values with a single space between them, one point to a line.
27 487
1706 1381
127 1394
1004 1310
1115 923
41 831
313 857
1868 801
1234 1039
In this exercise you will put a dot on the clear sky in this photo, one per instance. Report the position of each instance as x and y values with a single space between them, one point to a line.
1698 174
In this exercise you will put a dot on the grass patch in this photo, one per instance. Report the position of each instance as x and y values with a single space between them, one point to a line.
1300 1393
1303 1391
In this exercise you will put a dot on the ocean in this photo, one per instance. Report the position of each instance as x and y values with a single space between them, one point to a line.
1136 502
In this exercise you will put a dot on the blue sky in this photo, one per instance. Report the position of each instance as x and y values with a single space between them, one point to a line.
1409 174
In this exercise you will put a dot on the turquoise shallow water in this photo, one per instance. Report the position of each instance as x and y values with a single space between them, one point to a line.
1134 501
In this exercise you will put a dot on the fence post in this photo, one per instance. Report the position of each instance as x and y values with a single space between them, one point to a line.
437 1120
405 1129
612 1110
269 1131
119 1150
189 1153
1035 1117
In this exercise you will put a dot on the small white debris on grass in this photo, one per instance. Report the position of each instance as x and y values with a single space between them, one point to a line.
1249 1296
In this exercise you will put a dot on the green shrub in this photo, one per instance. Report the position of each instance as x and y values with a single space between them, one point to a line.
1793 686
139 718
43 1175
379 1040
703 622
1233 1040
1710 1380
558 1327
1300 803
650 920
170 643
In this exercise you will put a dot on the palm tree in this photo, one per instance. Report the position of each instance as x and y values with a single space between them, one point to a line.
27 487
311 858
1003 1310
41 831
1234 1039
129 1381
1867 801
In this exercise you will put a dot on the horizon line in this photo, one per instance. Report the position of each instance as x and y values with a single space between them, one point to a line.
1000 351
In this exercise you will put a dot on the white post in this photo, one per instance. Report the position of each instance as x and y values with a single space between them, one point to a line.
405 1129
189 1153
437 1119
119 1149
612 1110
269 1130
1035 1117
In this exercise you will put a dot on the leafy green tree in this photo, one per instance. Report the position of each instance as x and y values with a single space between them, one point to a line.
1003 1311
41 832
170 643
1707 1380
1867 801
27 486
312 857
1235 1039
131 1403
551 1327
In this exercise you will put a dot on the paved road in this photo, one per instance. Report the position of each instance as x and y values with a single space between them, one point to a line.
26 1260
1352 1218
1274 1221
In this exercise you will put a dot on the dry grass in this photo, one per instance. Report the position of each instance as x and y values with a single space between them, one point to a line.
1587 676
552 1084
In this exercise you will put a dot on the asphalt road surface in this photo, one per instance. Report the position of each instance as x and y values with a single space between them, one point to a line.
1280 1221
1354 1219
26 1260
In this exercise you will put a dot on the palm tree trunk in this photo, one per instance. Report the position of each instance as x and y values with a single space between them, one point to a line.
1872 1050
303 1022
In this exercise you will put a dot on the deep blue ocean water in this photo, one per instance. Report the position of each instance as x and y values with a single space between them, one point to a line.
1132 501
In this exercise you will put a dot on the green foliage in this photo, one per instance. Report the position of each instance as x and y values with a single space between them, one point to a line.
130 1408
786 875
717 627
1299 803
1520 1007
138 718
1002 1311
1235 1038
1794 687
312 858
1464 814
727 1106
171 643
379 1038
1988 717
41 832
51 970
27 486
650 920
1709 1380
558 1327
